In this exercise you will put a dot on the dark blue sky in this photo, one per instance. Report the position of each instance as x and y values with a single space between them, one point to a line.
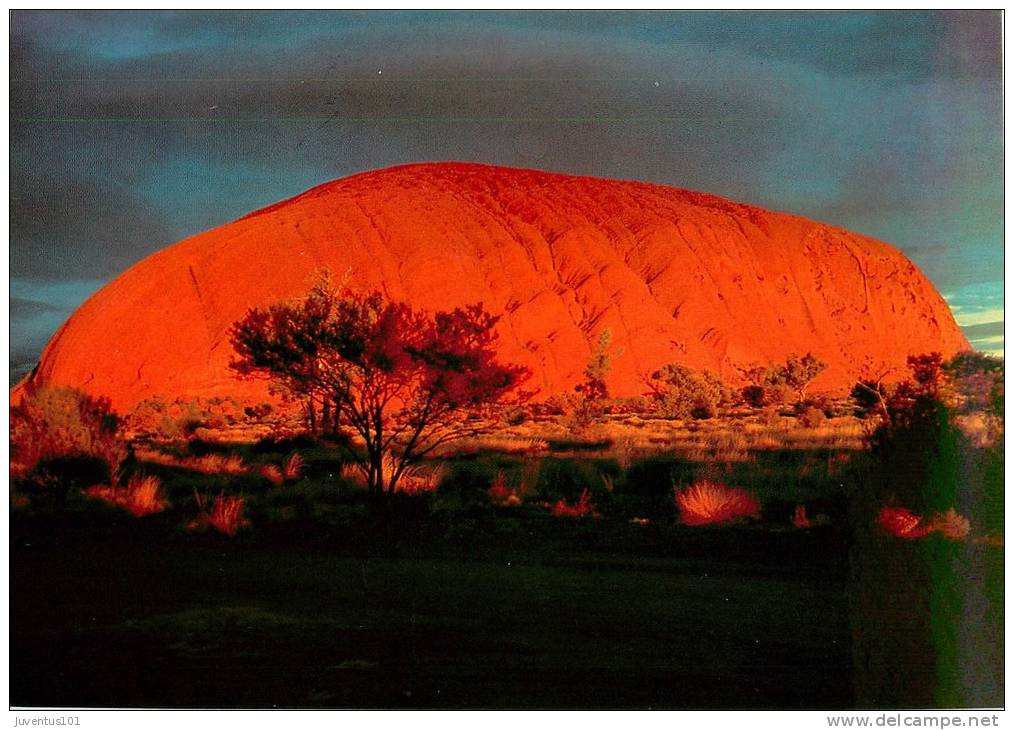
131 130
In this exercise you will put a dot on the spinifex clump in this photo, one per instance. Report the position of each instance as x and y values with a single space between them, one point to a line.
709 503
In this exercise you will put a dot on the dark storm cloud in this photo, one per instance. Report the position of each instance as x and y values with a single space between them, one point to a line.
901 45
321 109
98 227
22 308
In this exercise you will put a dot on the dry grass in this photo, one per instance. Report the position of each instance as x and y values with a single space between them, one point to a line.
217 464
350 472
951 525
415 479
293 467
273 474
225 515
505 442
582 508
733 438
502 495
142 495
991 540
207 464
707 503
421 479
528 481
902 522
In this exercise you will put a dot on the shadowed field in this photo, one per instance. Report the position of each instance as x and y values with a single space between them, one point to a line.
137 618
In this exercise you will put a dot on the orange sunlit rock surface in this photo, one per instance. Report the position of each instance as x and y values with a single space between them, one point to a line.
677 276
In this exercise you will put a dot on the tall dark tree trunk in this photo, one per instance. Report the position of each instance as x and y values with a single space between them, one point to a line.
311 415
376 475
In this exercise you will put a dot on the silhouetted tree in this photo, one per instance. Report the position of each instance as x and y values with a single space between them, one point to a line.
870 397
404 381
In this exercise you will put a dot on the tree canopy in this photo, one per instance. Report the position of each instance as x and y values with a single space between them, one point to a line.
403 380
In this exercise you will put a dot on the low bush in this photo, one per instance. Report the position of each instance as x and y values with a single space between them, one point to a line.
583 507
273 474
686 393
293 467
812 417
502 495
60 427
467 483
902 522
225 515
182 418
707 503
141 496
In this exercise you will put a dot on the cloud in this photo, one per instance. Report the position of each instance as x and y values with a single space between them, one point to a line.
79 226
973 319
154 143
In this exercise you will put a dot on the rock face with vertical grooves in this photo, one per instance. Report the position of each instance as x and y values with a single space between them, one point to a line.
677 276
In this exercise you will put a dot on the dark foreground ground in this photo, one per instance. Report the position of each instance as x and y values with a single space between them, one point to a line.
551 615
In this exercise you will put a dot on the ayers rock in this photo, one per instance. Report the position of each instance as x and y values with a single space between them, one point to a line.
677 276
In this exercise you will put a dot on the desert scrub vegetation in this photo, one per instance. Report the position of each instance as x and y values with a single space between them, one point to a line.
213 463
404 381
709 503
225 514
62 438
162 419
583 507
923 468
141 496
784 382
414 479
681 392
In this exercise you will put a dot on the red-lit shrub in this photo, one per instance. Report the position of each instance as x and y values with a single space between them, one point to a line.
273 474
800 518
902 522
142 495
582 508
812 417
52 424
217 464
226 514
707 503
502 495
206 464
293 467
